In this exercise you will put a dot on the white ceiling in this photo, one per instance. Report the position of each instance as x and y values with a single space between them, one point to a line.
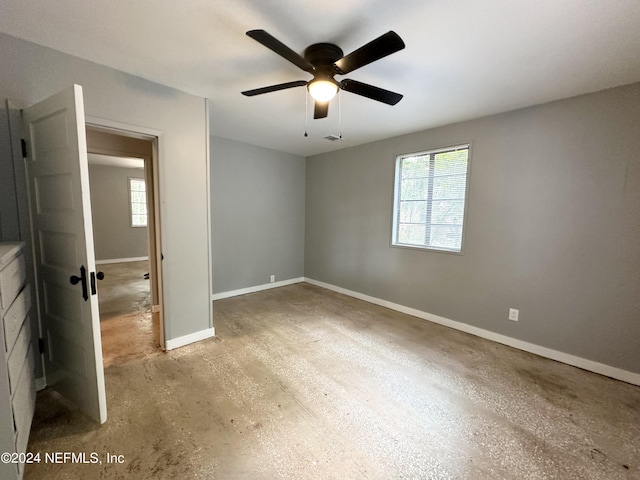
464 58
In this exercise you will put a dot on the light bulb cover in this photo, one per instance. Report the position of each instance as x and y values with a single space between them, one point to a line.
322 90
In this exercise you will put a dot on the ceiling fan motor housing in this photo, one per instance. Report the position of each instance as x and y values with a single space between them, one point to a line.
323 55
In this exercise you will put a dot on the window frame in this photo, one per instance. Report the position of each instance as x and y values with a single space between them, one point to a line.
396 190
130 201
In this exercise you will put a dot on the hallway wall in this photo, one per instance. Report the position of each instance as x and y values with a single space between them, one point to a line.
113 235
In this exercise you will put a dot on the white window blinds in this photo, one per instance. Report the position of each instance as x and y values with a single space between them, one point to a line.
138 201
429 199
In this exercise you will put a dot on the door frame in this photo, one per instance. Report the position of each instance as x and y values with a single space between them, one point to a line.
152 177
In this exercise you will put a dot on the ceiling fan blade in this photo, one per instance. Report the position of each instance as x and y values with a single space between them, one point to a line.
320 110
369 91
376 49
280 48
274 88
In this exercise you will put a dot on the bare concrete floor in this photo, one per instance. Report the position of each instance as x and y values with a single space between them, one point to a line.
125 313
304 383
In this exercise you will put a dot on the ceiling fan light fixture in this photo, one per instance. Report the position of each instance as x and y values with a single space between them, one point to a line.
323 90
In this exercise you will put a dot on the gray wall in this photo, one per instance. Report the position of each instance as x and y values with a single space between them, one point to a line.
553 226
257 199
9 223
113 235
31 72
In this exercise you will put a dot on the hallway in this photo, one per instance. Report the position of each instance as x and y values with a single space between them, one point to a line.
125 313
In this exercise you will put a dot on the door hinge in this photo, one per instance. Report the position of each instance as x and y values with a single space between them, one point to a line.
41 345
23 143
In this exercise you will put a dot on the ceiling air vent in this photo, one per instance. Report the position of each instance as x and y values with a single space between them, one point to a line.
333 138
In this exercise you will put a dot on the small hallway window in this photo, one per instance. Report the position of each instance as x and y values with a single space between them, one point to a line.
138 201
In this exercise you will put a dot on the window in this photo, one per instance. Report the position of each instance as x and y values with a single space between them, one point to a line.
138 201
429 199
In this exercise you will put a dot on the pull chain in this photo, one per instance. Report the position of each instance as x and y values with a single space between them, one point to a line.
340 114
306 111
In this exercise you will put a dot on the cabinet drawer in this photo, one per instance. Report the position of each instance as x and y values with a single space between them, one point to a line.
18 356
23 402
12 279
15 316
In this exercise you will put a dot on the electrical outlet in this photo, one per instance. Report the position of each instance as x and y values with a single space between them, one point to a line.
272 279
513 314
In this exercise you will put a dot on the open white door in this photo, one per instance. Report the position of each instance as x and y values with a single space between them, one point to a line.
58 177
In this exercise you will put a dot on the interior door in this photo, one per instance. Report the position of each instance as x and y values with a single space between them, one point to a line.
58 179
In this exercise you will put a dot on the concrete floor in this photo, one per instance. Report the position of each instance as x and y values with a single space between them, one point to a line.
305 383
125 313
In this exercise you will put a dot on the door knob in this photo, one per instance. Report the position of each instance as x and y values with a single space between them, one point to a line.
74 279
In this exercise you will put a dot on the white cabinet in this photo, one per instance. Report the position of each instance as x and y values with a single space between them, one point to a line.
17 391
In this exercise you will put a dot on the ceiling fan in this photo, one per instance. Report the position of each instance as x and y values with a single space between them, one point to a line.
324 61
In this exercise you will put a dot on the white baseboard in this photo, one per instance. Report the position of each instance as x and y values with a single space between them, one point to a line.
257 288
187 339
121 260
585 364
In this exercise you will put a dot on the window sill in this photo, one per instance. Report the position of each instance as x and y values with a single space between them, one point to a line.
426 249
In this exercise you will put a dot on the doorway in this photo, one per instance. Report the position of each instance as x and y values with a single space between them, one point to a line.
123 182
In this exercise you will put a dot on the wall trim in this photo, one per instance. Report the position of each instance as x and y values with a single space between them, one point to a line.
207 120
590 365
191 338
121 260
257 288
40 384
